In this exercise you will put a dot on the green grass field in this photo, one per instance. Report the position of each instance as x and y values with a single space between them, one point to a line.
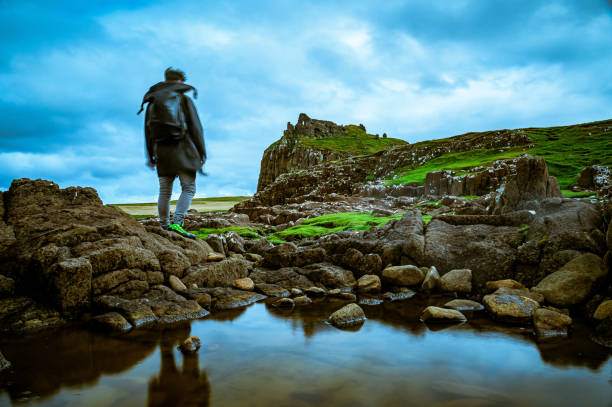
216 204
567 150
310 228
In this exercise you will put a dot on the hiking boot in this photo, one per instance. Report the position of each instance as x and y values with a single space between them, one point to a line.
175 227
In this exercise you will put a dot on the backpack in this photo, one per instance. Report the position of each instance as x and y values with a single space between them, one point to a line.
167 116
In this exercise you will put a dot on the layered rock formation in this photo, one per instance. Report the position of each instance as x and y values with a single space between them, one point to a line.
287 154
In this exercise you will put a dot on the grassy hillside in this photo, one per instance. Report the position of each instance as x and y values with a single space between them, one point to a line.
355 142
567 150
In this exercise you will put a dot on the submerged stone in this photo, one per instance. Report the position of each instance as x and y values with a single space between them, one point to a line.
464 305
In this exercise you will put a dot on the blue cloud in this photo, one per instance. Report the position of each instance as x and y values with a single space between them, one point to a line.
73 81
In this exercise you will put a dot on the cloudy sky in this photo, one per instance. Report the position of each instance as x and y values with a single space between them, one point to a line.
73 73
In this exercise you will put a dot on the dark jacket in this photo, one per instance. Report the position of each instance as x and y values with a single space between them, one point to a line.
186 155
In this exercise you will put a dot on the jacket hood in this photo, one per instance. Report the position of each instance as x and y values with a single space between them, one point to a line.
173 86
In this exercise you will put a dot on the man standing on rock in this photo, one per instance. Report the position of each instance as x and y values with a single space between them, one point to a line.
175 145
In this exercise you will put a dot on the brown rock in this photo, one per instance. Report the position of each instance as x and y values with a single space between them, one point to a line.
459 281
369 283
302 301
245 284
219 274
190 345
110 322
329 275
437 314
214 256
7 286
403 275
176 284
604 310
509 283
464 305
573 283
431 280
348 316
548 323
510 308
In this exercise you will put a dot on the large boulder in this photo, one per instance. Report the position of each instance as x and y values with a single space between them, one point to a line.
529 185
573 283
286 277
288 255
69 249
489 251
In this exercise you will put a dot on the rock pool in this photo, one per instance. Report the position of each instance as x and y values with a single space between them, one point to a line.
263 356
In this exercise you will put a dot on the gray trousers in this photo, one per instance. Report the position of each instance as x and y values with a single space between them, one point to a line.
188 189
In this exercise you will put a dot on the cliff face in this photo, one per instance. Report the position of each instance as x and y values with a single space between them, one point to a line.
288 154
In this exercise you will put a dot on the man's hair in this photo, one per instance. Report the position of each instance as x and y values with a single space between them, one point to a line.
172 74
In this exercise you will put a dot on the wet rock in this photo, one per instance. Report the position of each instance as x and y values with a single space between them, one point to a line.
7 286
402 294
24 315
261 246
329 275
437 314
603 311
574 282
110 322
285 303
217 243
403 275
190 345
525 292
253 257
459 281
235 242
369 283
215 256
549 323
228 298
287 254
371 300
70 284
137 312
176 284
603 333
348 316
221 274
464 305
510 308
344 296
315 292
491 286
431 280
296 292
171 308
199 295
245 284
4 363
272 290
302 301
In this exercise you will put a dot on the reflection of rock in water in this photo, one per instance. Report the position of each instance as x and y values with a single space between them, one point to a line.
43 365
578 350
174 387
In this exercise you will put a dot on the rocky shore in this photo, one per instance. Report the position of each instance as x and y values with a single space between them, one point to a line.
521 253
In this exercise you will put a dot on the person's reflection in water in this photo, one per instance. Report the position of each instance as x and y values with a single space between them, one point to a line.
174 387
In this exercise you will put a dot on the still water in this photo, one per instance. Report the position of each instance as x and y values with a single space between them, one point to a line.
261 356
